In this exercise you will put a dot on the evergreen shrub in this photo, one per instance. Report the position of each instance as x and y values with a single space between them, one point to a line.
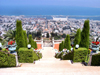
28 55
25 55
35 56
80 54
7 60
39 55
68 56
96 60
60 55
85 35
56 55
19 35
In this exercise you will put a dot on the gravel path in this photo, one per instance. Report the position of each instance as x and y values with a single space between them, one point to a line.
49 65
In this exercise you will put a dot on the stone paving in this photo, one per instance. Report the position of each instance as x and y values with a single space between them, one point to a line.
49 65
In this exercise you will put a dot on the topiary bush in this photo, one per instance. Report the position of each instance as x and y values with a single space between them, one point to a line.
7 60
95 60
80 54
25 55
28 55
68 56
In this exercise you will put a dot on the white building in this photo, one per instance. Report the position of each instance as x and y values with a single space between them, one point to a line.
60 19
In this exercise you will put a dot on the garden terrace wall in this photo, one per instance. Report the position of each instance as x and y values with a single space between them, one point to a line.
7 60
95 60
80 54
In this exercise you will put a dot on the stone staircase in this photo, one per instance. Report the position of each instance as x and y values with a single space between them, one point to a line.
49 65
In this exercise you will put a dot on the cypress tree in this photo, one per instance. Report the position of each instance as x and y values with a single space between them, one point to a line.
35 45
19 35
47 35
60 47
85 35
77 37
31 41
25 37
67 44
65 41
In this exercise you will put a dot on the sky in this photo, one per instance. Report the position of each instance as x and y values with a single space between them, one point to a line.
80 3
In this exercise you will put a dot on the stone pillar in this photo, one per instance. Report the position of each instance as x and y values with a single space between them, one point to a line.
42 42
90 60
53 41
16 58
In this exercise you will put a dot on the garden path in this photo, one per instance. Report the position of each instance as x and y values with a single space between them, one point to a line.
49 65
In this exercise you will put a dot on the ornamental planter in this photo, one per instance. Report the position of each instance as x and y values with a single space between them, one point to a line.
11 46
95 46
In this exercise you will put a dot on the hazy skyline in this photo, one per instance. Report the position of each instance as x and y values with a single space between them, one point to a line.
81 3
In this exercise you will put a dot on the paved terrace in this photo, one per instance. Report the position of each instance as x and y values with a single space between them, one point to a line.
49 65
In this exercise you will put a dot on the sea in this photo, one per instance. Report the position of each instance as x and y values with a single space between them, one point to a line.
49 11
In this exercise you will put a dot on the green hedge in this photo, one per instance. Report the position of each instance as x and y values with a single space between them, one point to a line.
60 55
37 55
56 55
28 55
80 54
68 56
25 55
96 60
7 60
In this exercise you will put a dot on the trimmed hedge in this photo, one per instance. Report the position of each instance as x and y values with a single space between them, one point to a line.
96 60
7 60
80 54
25 55
28 55
68 56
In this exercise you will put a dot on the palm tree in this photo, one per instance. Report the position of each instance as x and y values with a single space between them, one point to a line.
3 41
10 35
